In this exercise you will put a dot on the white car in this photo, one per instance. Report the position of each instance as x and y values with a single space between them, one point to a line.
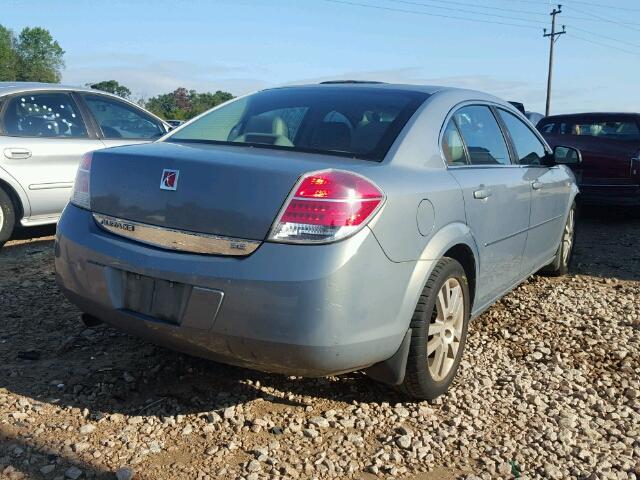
45 129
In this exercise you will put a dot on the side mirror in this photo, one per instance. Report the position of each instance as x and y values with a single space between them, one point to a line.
566 156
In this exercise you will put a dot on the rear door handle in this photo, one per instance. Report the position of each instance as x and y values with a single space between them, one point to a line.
482 194
536 185
17 153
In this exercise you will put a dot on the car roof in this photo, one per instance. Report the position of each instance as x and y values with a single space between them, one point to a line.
7 88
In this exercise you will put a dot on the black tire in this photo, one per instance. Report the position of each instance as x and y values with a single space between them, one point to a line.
562 262
419 382
7 217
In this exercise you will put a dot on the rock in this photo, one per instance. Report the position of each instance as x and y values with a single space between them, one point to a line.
87 429
310 432
187 430
124 473
254 466
404 441
208 429
47 469
73 473
81 447
319 422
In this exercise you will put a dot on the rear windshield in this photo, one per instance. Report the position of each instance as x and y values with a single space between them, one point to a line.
354 122
615 129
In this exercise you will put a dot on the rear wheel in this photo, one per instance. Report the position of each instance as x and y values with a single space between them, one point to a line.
7 217
438 332
560 266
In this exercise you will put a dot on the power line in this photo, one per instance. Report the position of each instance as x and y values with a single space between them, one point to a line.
600 20
604 19
429 14
606 37
475 5
603 44
477 20
493 15
608 7
591 4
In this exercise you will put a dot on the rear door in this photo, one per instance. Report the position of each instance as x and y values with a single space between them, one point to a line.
120 123
497 196
44 136
550 191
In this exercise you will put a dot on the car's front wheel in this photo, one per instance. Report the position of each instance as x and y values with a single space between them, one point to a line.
7 217
438 332
560 265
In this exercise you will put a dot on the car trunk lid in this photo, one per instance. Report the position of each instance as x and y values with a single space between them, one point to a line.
218 190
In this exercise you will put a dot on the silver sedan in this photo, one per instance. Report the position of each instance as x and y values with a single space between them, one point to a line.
44 131
321 229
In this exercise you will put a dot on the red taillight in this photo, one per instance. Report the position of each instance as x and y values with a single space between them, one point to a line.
81 195
326 206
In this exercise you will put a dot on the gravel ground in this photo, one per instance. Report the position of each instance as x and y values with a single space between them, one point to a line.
549 388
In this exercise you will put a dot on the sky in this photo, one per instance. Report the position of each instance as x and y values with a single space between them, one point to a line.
239 46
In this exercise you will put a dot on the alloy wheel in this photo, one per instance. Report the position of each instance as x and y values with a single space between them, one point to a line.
567 237
445 329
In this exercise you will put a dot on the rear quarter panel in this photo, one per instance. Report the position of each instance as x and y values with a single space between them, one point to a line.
423 199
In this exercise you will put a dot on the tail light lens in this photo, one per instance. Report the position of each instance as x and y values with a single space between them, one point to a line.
326 206
81 196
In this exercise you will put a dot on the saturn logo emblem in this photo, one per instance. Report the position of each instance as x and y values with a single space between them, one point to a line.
169 180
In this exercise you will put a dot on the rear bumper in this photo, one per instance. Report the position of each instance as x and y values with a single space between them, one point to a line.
301 310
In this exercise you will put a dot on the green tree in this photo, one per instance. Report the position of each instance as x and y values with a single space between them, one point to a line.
39 56
183 104
7 55
111 86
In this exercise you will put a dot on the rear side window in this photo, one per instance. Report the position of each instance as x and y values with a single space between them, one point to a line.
53 115
482 136
353 122
529 148
452 146
119 120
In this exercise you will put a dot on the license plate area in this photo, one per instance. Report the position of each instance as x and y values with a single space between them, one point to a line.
152 297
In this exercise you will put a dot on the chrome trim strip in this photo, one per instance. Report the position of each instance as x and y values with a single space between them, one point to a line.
179 240
523 231
49 186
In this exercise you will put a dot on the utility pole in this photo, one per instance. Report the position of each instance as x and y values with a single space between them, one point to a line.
552 40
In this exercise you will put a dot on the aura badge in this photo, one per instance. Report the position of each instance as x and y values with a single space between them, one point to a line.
169 180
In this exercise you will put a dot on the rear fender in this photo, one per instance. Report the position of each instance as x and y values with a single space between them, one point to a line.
447 237
17 194
392 371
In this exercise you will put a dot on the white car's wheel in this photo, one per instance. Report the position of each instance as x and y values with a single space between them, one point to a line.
7 217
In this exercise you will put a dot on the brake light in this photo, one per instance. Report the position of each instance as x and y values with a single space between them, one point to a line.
326 206
81 196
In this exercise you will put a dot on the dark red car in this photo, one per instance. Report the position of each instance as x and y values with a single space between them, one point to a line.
610 147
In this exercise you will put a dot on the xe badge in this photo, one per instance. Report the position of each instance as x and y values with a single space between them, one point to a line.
169 180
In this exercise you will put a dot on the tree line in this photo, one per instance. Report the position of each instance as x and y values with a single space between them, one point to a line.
34 56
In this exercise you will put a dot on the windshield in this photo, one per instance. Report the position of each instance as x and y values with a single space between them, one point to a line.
355 122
